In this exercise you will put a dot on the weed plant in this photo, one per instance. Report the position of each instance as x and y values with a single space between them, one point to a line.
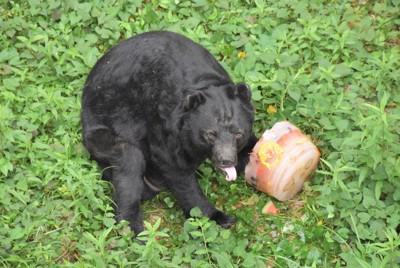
330 67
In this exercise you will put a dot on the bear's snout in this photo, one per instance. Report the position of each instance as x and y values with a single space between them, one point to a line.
224 155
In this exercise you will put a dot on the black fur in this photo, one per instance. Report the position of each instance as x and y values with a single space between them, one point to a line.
156 106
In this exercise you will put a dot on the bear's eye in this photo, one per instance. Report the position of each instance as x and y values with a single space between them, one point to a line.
210 135
239 135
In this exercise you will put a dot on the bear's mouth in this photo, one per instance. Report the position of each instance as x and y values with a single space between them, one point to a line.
230 172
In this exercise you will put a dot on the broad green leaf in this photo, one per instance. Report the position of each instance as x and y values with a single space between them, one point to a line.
22 185
5 166
196 212
362 176
286 60
368 201
256 95
342 124
16 233
294 93
108 222
201 251
342 70
11 83
378 189
364 217
396 194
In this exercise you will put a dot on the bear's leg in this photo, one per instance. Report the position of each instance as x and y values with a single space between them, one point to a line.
129 187
244 154
189 195
124 165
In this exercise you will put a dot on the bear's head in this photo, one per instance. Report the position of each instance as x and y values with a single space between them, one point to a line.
217 124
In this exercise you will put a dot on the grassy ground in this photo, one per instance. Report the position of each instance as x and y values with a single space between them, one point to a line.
330 67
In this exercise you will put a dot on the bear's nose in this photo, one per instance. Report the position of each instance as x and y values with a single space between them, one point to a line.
226 163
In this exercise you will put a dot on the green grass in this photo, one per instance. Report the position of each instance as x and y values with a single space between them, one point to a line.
330 67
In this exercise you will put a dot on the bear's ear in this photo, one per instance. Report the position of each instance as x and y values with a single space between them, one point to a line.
193 100
243 91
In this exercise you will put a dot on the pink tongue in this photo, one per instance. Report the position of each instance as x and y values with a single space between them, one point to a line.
230 173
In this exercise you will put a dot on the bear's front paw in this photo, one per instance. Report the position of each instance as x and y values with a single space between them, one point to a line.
223 220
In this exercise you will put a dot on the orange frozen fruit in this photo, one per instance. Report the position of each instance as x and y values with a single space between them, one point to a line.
281 161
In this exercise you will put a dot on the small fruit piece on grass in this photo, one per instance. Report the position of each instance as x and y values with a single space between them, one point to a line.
269 208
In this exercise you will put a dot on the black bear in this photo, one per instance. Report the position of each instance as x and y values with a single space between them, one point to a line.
154 107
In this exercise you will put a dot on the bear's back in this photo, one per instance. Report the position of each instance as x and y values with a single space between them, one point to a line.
155 61
146 75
